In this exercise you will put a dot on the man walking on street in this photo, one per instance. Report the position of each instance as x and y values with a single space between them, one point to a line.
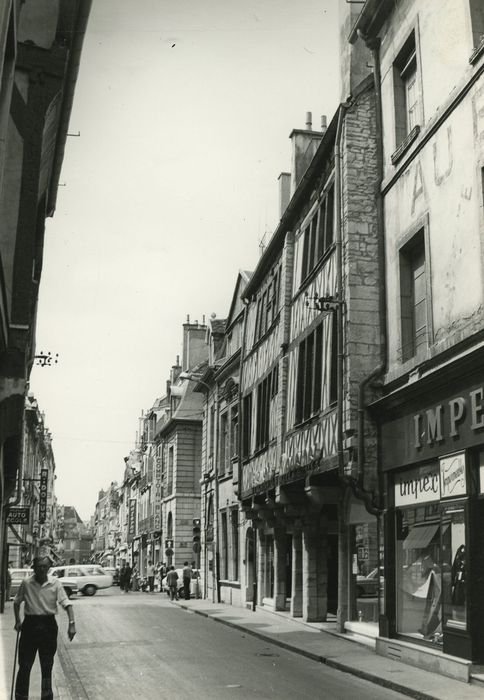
150 572
40 595
187 578
171 580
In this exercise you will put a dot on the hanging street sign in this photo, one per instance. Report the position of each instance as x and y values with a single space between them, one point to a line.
18 516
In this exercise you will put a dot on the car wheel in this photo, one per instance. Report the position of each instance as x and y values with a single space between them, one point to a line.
89 590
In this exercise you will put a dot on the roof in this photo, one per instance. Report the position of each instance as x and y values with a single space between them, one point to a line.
292 210
371 18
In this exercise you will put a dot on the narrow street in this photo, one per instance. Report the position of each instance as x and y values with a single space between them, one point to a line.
140 646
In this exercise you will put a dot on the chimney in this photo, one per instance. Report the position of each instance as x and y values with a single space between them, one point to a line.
304 145
175 370
355 59
195 349
284 192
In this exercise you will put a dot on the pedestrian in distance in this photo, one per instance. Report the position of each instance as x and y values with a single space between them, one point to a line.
122 577
128 573
150 572
40 594
172 583
187 578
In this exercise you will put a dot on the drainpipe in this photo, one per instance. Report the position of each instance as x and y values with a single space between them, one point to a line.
372 503
339 282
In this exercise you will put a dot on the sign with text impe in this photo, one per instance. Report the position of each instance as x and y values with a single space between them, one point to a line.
44 480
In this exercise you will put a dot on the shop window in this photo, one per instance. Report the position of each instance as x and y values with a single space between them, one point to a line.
477 20
413 296
318 235
418 573
406 91
454 566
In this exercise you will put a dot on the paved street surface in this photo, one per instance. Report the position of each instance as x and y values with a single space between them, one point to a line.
142 646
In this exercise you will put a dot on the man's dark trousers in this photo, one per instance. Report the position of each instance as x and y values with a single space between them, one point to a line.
39 634
186 588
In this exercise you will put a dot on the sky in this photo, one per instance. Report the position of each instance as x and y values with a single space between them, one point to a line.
184 109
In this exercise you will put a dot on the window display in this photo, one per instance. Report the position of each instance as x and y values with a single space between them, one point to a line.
418 575
454 565
431 570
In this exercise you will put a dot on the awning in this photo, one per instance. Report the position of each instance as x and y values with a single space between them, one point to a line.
420 536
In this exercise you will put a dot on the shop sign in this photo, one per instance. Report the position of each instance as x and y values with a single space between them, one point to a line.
18 516
453 476
132 517
416 486
44 478
452 424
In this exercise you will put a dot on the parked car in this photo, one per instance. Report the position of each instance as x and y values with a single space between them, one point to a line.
114 571
194 583
89 577
368 585
18 575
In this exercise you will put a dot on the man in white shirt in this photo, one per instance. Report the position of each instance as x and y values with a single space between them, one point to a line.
40 595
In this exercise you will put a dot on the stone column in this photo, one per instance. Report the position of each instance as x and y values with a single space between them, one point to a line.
280 543
297 574
314 573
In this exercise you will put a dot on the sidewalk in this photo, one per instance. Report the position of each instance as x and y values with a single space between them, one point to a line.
325 646
7 651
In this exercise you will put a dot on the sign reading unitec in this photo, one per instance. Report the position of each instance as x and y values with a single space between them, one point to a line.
431 482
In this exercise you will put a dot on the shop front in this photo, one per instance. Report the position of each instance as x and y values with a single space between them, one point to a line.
432 456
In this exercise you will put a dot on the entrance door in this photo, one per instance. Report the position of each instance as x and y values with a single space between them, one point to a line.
250 569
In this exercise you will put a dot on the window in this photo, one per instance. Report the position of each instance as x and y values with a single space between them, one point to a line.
406 91
309 375
225 562
224 443
234 519
477 20
246 424
234 432
268 303
266 391
212 430
318 235
169 476
413 296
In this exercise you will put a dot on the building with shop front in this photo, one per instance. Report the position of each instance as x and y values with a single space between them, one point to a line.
429 65
40 48
35 491
74 538
216 538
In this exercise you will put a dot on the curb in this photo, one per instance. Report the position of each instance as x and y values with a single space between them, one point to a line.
331 663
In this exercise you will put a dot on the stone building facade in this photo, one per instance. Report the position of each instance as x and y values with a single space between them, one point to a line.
429 65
